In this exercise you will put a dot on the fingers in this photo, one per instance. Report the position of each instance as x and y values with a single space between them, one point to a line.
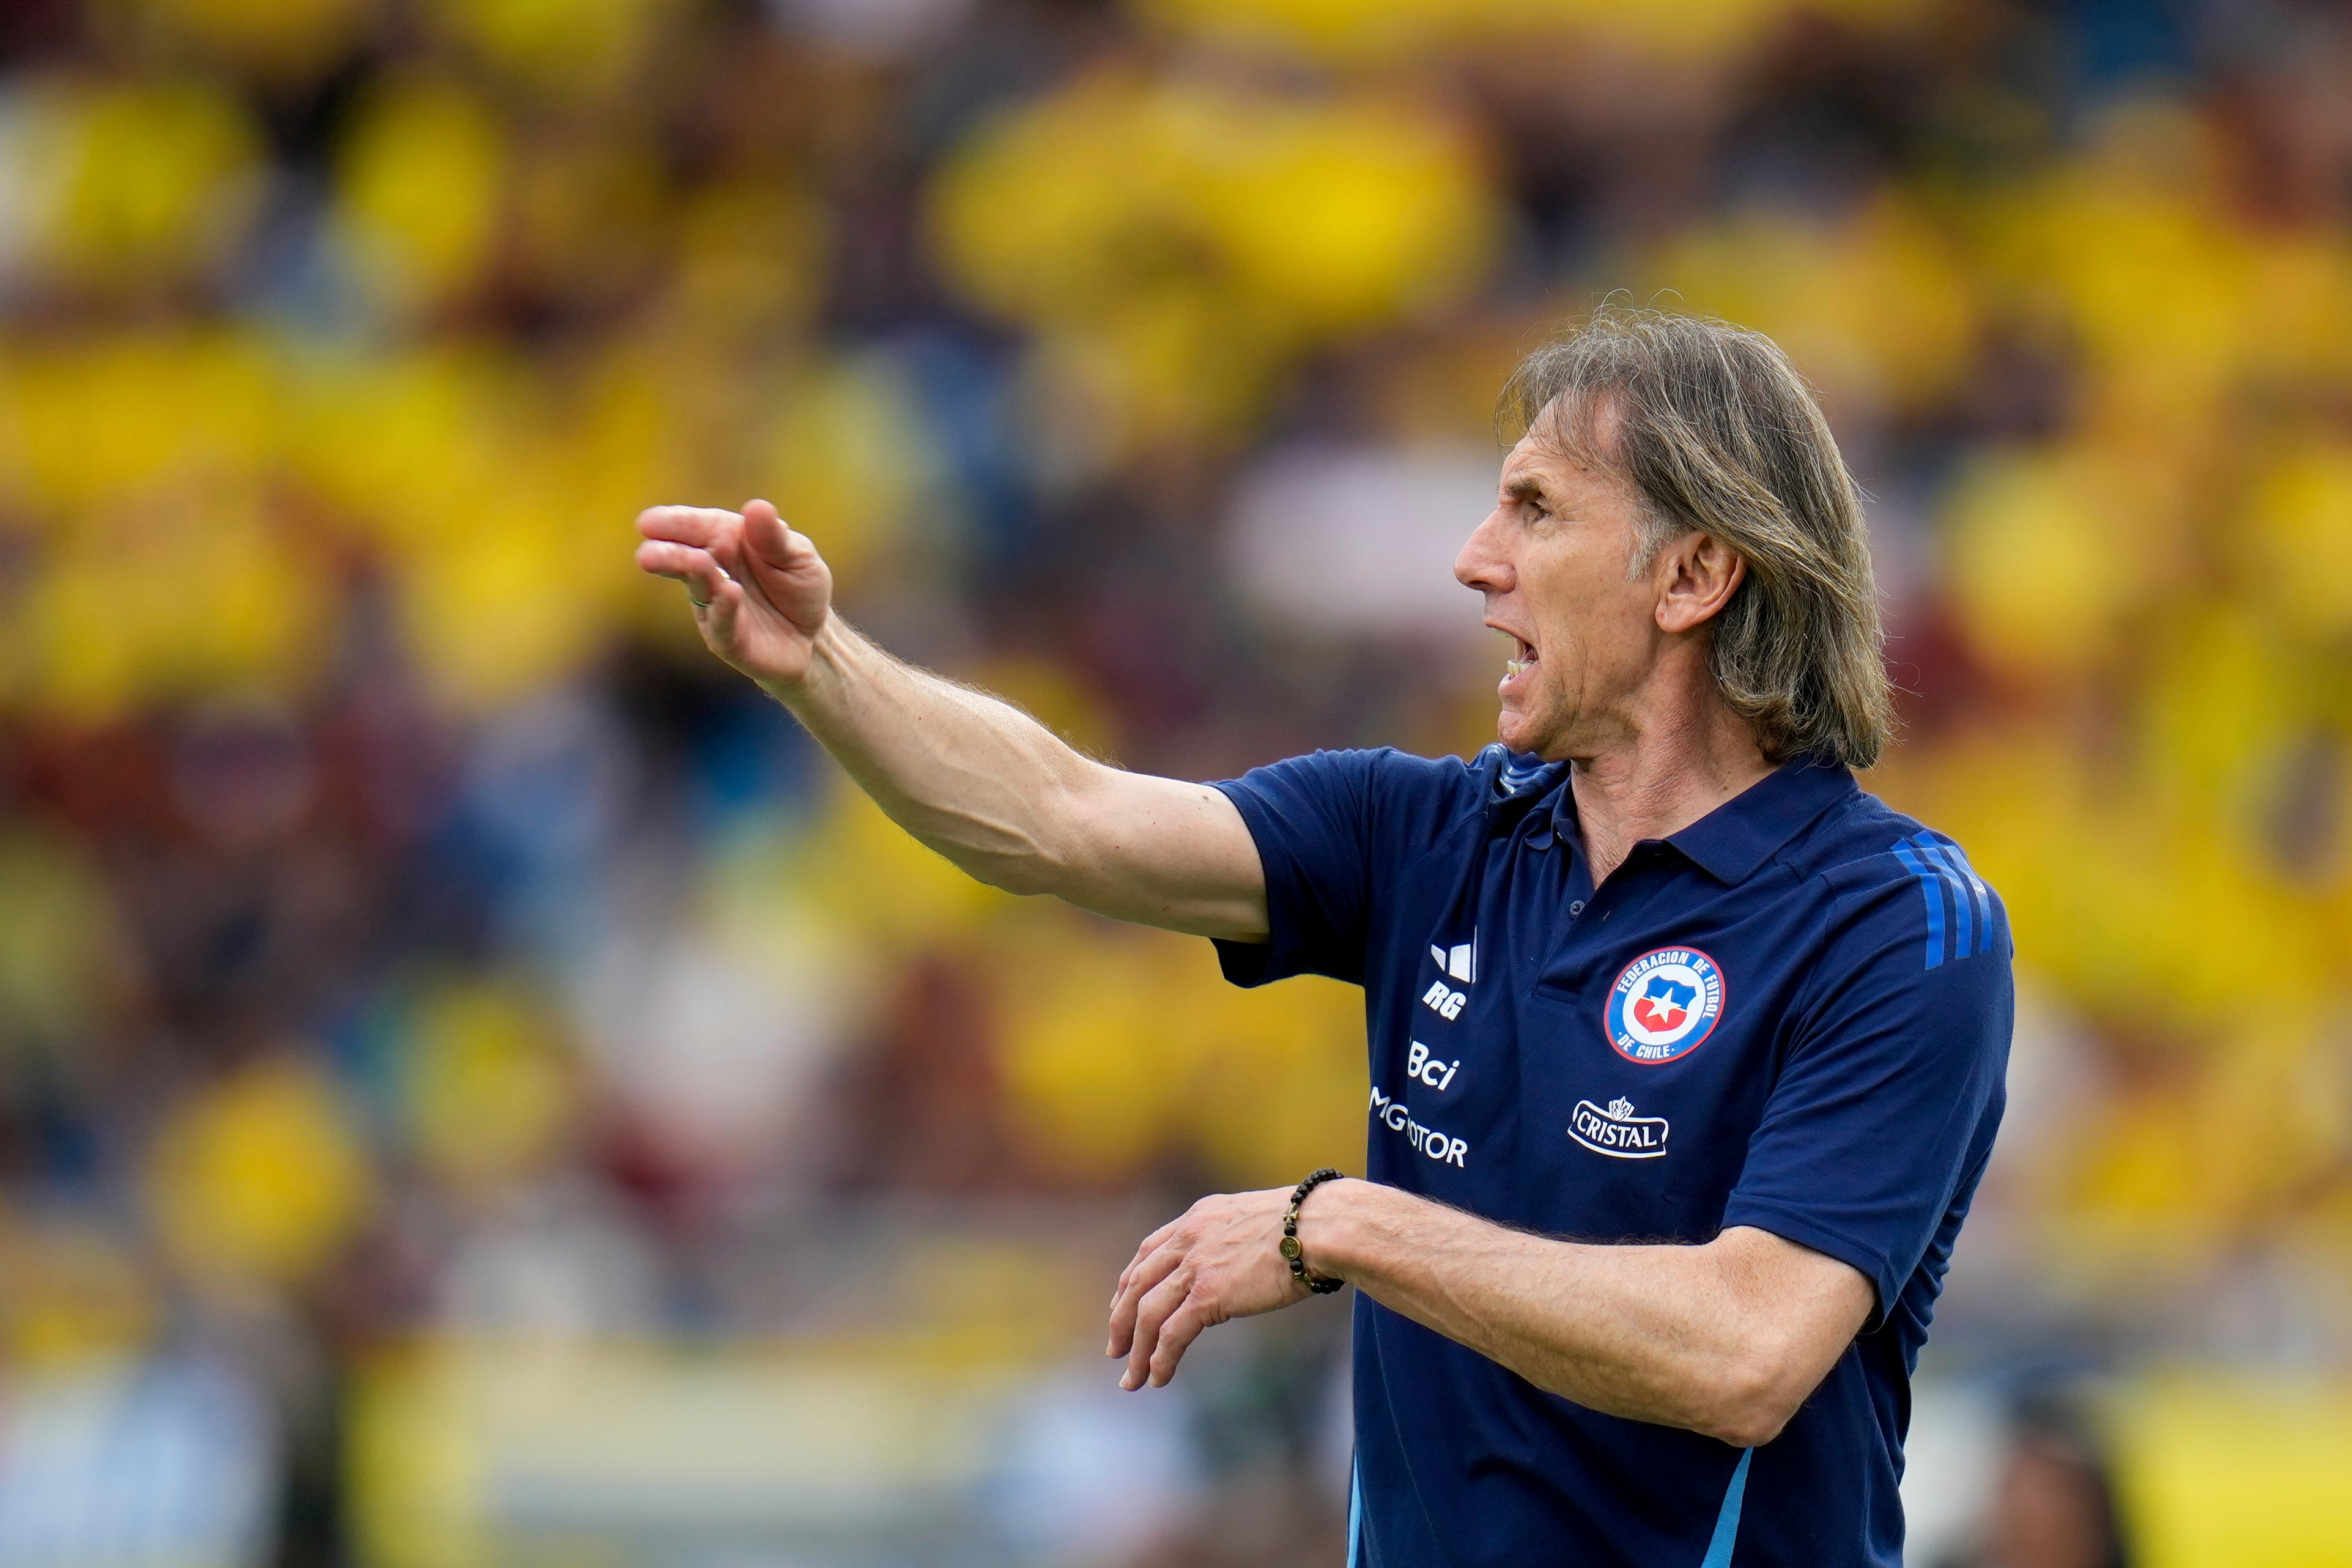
766 535
758 533
706 583
1176 1336
1151 1245
718 617
704 527
1141 1277
1158 1304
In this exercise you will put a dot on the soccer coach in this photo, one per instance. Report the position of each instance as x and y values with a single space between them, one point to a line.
1686 1053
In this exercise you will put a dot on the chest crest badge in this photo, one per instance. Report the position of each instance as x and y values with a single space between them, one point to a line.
1664 1005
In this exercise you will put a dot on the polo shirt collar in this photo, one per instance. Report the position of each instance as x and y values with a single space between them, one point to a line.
1731 842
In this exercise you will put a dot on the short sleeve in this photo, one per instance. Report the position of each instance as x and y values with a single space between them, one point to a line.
1329 828
1887 1099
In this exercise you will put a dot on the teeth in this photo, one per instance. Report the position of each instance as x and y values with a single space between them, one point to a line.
1514 668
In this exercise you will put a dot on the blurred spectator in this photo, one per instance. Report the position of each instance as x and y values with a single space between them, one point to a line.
2053 1500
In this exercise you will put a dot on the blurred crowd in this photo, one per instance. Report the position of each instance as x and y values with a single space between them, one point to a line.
419 957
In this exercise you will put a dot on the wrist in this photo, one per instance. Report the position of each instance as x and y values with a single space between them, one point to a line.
831 648
1293 1254
1330 1227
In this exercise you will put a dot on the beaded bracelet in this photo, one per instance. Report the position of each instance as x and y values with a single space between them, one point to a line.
1291 1251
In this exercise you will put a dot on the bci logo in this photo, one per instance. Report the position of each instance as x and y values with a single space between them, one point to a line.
1420 1064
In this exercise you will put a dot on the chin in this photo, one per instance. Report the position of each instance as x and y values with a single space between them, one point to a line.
1522 732
1518 736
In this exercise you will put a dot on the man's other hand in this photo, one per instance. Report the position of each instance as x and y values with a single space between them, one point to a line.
760 592
1220 1260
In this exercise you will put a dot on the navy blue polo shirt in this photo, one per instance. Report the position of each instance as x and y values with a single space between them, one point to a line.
1793 1014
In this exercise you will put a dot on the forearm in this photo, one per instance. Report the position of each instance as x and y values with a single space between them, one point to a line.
1003 797
1673 1334
974 778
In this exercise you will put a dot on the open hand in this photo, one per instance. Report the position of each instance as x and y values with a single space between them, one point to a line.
1220 1260
760 592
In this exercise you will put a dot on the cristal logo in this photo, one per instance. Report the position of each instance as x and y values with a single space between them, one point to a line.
1664 1004
1617 1133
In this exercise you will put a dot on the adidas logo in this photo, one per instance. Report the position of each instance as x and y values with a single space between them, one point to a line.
1459 962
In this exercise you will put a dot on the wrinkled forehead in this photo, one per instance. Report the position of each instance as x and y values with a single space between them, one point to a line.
1580 424
1574 435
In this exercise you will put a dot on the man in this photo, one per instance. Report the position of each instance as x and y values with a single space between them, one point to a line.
1686 1054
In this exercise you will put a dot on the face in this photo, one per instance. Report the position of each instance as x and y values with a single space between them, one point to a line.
1589 639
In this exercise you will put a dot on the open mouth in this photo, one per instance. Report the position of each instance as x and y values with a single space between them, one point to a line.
1523 659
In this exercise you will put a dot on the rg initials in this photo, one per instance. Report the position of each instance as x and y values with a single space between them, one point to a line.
1448 1004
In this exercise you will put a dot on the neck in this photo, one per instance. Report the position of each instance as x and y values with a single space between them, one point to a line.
1658 779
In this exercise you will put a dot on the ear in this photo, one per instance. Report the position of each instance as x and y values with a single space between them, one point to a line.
1696 575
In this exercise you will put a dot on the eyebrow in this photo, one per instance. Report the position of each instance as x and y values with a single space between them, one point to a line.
1526 487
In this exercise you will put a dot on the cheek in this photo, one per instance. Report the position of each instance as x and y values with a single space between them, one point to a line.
1592 649
1591 604
1572 613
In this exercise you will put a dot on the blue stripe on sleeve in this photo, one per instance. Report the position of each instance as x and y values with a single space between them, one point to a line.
1932 886
1983 895
1355 1512
1946 862
1727 1522
1969 889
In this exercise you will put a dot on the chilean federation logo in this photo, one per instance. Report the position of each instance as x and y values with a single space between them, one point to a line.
1665 1005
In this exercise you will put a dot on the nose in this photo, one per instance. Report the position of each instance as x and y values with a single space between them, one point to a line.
1482 564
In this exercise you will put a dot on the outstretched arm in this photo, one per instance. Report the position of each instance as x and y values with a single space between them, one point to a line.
974 778
1728 1338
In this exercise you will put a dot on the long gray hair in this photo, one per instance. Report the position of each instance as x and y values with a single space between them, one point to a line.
1719 434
